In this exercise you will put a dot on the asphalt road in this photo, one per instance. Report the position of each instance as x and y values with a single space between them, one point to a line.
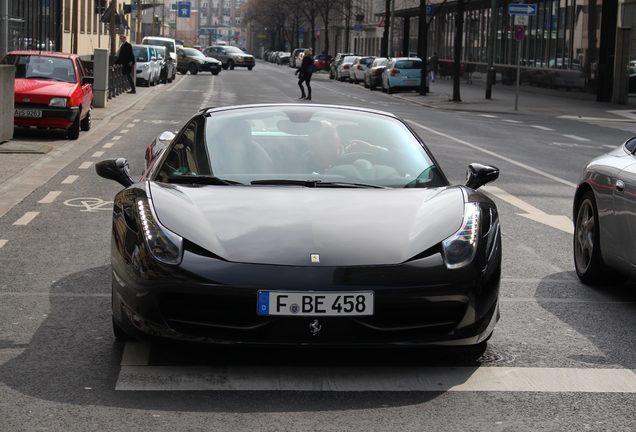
562 358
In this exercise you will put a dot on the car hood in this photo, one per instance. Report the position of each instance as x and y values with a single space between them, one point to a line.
211 60
36 89
284 225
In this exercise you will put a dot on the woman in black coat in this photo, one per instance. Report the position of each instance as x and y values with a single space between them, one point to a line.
304 74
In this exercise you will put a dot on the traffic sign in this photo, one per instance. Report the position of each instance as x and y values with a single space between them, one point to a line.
520 33
183 9
522 19
429 10
522 9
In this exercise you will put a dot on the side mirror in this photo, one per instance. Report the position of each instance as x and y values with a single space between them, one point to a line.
87 80
115 169
478 175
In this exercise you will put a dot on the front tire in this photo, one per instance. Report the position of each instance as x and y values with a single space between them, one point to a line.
215 72
119 333
587 248
85 123
73 132
250 67
231 64
194 69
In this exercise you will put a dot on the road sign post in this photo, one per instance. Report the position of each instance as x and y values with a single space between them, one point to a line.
520 11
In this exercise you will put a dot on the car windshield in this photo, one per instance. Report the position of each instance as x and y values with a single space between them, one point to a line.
301 146
191 52
141 53
349 59
168 44
235 50
160 53
43 67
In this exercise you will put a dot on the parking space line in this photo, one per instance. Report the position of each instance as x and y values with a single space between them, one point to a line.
394 379
3 242
50 197
108 145
26 218
136 354
70 179
85 165
575 137
98 154
512 121
542 128
488 116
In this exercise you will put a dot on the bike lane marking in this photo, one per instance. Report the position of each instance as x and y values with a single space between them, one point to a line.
85 165
26 218
70 179
50 197
2 243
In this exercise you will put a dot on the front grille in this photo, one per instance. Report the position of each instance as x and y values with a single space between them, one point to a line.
231 315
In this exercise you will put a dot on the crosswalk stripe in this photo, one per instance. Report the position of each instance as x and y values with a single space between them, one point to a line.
395 379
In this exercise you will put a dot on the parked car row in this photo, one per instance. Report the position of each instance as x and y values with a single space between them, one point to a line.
153 64
278 57
390 74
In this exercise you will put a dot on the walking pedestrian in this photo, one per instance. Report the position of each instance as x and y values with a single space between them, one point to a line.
304 73
434 66
126 58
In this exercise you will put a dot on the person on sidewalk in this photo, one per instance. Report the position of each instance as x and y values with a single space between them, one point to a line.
433 62
304 73
126 58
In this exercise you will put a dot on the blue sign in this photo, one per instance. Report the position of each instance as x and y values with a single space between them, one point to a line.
429 10
522 9
183 9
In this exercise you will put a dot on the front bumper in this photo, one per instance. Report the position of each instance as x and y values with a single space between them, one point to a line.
210 67
244 62
52 117
209 300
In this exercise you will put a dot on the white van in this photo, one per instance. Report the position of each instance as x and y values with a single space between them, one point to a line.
169 43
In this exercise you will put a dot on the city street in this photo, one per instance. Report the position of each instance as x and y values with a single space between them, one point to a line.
562 357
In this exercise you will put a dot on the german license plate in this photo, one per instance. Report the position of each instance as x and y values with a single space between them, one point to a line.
410 82
28 113
295 303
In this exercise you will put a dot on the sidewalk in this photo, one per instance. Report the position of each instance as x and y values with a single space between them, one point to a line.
34 156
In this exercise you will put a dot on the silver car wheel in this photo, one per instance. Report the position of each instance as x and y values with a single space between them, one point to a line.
585 229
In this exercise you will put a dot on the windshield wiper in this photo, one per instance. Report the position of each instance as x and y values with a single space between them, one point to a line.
204 180
315 184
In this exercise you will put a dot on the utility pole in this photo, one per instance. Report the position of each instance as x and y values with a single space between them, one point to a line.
391 29
113 35
4 27
490 73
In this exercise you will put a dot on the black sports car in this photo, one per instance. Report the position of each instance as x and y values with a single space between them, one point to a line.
302 224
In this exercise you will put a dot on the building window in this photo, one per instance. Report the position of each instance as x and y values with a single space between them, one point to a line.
67 15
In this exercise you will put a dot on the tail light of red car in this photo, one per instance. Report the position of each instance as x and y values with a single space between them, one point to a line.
394 72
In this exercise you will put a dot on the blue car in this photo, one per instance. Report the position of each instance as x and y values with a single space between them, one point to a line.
402 73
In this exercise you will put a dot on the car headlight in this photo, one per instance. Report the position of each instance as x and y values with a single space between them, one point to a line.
144 66
59 102
459 249
163 244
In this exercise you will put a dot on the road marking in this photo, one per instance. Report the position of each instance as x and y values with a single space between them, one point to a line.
116 138
90 204
98 154
70 179
50 197
131 125
488 116
609 146
137 120
28 217
2 243
394 379
136 354
572 145
559 222
85 165
108 145
542 128
512 121
497 155
124 131
575 137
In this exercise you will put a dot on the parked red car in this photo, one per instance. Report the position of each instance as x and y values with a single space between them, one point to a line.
52 90
322 61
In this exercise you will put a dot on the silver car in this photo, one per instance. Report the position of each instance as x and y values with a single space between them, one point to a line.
605 217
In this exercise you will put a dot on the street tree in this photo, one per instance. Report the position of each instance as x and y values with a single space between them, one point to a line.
327 10
457 48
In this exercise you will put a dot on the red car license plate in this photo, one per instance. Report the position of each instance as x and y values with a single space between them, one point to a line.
28 113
